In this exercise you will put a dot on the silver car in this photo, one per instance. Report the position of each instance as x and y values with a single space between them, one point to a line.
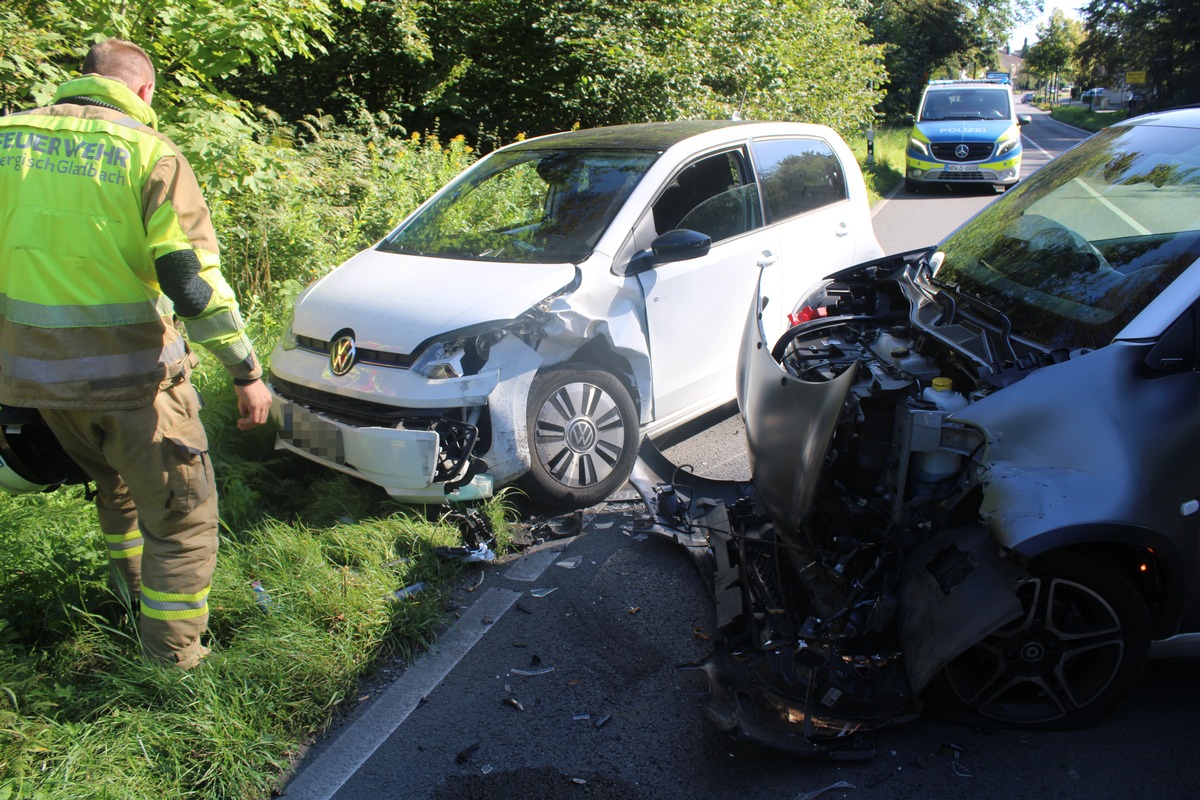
975 483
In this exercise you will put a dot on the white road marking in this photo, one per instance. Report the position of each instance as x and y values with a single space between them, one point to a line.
321 779
325 775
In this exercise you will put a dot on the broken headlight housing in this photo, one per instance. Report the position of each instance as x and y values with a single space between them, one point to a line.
465 352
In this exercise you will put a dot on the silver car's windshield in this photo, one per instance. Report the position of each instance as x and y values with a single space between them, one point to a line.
1076 251
525 206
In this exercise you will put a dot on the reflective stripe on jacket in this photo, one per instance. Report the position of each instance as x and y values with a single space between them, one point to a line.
105 240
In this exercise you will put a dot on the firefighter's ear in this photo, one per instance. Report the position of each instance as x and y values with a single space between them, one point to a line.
146 92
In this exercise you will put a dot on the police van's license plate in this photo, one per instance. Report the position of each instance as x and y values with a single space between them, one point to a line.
961 167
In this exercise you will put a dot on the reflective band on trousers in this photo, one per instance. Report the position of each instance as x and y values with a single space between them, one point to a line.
124 545
164 605
135 365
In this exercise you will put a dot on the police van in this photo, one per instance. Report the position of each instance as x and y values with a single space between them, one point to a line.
965 131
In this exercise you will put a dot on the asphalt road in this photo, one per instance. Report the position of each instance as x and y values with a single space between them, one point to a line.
583 691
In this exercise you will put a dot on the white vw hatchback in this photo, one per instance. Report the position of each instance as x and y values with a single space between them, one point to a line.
557 301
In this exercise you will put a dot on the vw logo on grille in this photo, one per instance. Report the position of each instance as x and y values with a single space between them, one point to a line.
581 436
341 355
962 151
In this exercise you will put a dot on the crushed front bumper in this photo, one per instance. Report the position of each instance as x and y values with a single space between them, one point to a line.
416 438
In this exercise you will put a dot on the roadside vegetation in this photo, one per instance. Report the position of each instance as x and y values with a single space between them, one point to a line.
1083 117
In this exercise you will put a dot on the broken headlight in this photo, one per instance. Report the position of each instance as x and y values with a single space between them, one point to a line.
466 351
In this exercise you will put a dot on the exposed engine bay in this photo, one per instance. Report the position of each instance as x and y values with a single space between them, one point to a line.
854 565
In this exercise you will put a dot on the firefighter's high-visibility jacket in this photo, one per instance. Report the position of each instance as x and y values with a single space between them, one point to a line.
104 241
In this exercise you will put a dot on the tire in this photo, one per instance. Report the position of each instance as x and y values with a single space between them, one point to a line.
912 187
1073 657
583 436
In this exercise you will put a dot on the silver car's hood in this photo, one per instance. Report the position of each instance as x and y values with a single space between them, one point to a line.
395 302
789 425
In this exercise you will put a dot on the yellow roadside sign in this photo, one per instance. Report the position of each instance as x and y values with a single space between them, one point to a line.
1135 76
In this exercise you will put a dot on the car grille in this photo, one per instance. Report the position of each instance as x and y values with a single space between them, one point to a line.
361 354
348 410
976 151
962 176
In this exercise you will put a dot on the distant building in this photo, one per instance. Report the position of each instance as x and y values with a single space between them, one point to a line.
1014 66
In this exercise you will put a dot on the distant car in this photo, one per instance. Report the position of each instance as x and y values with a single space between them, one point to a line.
964 132
560 299
974 478
1027 97
1096 92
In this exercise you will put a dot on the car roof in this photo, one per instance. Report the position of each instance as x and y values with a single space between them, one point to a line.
1185 117
639 135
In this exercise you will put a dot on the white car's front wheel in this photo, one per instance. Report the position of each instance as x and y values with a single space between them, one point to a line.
583 436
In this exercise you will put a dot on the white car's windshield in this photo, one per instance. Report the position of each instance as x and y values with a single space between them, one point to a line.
1075 252
527 206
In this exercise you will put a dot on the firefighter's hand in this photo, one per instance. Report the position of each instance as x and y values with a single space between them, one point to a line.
254 401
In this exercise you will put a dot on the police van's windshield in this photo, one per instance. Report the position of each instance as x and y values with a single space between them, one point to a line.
985 103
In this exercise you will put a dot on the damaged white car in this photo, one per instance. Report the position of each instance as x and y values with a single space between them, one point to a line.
561 298
975 482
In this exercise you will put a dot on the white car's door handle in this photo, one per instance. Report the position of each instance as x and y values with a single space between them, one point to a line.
842 229
767 258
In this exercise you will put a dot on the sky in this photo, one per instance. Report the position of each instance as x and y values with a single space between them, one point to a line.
1030 28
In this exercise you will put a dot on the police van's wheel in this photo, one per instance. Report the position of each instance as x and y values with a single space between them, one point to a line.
583 436
912 187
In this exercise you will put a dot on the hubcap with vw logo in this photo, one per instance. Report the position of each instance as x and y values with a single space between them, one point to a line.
580 434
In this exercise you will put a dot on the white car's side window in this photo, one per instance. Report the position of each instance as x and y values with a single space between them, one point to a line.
712 196
798 176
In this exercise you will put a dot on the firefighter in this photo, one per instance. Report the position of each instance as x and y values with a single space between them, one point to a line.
105 245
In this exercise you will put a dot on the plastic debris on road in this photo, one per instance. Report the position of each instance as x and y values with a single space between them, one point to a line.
531 672
570 563
542 592
815 794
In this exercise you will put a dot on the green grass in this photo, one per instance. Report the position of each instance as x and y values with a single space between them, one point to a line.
888 170
1083 117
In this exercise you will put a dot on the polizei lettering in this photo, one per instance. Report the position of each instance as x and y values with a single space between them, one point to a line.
64 155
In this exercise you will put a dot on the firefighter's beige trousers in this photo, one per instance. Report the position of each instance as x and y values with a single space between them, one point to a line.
157 505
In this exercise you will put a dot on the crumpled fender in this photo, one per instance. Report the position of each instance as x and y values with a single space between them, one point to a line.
954 590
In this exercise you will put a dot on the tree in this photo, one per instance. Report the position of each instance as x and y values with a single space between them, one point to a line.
194 44
496 69
1052 54
1157 36
919 35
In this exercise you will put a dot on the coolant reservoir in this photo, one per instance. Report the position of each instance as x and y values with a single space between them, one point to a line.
930 468
942 395
895 348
